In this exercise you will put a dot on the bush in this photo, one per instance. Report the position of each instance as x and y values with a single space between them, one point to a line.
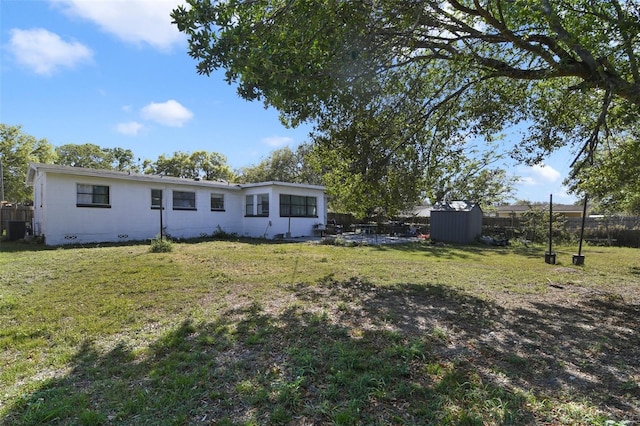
221 234
161 245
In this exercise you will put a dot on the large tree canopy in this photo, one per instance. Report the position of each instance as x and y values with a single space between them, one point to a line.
17 150
94 157
283 165
198 164
618 161
393 82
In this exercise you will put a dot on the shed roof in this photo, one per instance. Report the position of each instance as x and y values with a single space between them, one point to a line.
459 206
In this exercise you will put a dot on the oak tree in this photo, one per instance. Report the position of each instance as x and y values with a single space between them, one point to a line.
17 150
391 82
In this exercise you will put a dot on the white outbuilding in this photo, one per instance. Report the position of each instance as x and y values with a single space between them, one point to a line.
79 205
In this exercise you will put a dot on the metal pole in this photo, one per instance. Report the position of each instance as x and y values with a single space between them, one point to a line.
550 220
578 259
584 217
550 257
161 208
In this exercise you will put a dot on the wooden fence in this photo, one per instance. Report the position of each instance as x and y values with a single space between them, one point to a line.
14 213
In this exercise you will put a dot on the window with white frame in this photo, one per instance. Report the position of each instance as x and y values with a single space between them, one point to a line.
260 202
217 202
298 206
263 205
156 198
92 195
248 205
184 200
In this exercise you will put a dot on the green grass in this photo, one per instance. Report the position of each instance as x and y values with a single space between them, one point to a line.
234 332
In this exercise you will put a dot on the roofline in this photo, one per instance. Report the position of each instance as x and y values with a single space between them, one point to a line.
141 177
278 183
114 174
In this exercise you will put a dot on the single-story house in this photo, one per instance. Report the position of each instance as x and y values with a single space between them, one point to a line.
79 205
456 222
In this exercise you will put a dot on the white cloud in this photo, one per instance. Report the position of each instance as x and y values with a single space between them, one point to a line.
526 180
45 52
540 174
546 173
132 21
132 128
169 113
277 141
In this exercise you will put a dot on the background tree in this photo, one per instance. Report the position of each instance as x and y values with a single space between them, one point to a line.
92 156
283 165
199 164
17 149
612 180
561 72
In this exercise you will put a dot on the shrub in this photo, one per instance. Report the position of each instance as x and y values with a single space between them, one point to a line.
221 234
161 245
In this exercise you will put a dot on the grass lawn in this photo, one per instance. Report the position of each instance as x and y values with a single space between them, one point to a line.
237 332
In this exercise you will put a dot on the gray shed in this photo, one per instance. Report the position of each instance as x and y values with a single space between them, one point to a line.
456 222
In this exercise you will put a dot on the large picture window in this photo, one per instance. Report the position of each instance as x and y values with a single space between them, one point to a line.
298 206
217 202
183 200
92 195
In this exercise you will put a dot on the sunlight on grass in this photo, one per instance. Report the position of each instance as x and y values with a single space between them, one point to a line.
252 332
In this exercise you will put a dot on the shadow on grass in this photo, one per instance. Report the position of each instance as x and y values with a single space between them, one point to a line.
20 246
455 251
353 353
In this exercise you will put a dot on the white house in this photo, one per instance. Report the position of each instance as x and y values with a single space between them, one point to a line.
78 205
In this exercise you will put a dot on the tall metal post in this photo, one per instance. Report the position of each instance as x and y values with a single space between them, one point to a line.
550 256
578 259
161 208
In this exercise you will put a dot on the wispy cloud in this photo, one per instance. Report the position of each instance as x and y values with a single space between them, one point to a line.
170 113
277 141
132 128
132 21
45 52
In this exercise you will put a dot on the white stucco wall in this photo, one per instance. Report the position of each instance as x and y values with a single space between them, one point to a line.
130 216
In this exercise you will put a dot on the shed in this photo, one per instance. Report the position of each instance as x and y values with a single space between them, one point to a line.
456 222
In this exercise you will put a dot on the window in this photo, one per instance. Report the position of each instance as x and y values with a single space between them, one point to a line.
92 195
298 206
156 198
248 210
217 202
263 204
183 200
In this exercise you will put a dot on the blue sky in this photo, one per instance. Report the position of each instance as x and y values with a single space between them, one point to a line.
116 73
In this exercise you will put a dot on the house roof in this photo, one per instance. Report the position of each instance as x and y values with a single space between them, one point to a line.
277 183
114 174
566 208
